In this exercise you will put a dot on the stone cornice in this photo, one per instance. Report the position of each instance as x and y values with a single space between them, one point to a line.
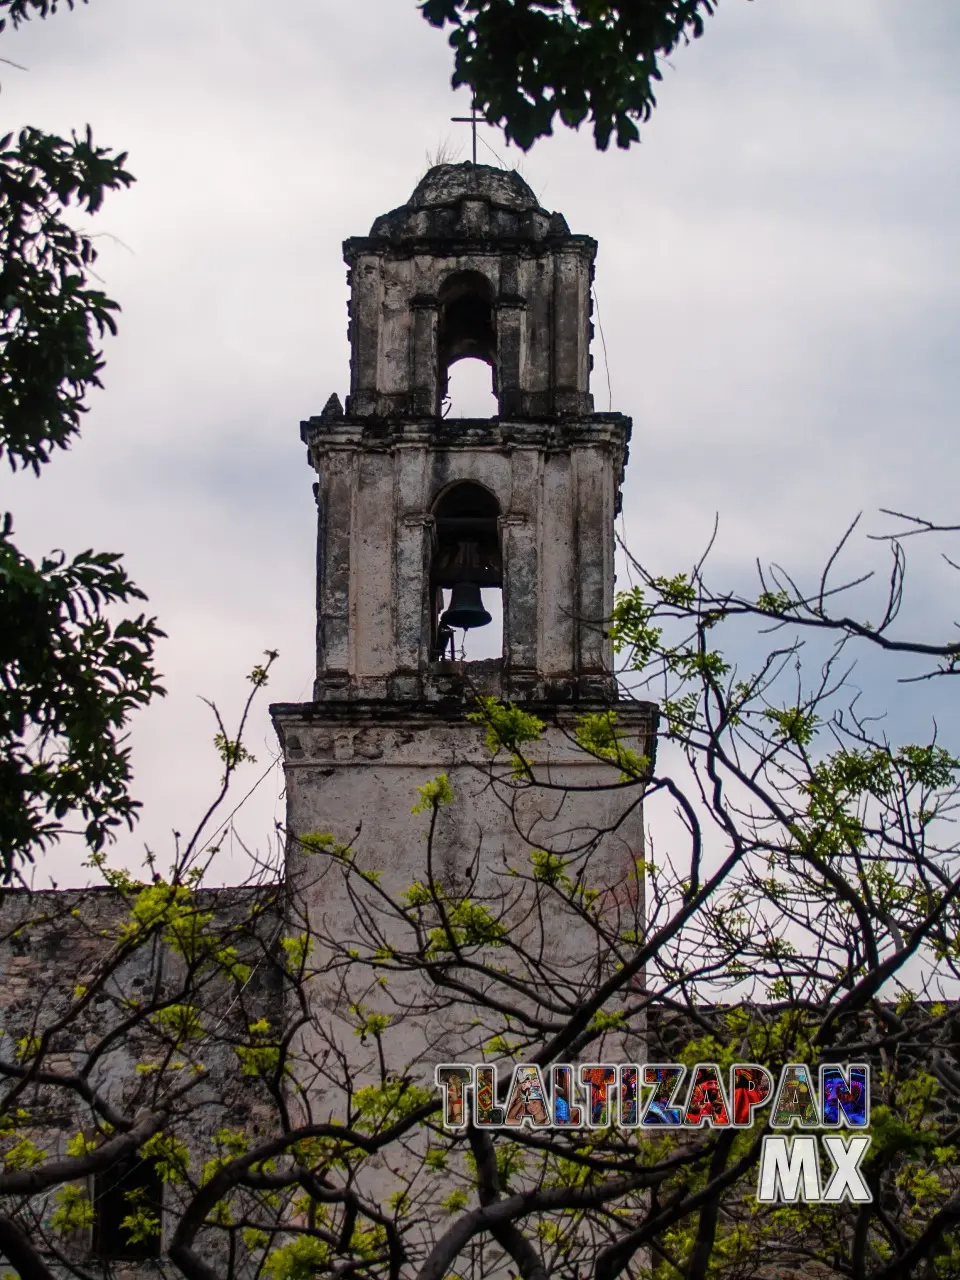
611 429
403 733
630 712
459 245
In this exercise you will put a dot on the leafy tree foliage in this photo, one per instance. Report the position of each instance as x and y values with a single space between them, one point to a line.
71 676
529 61
274 1058
70 672
50 314
18 11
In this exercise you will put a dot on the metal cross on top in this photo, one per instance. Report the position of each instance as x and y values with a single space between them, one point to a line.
473 120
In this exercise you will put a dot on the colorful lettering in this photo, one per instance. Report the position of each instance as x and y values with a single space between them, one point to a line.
706 1101
661 1107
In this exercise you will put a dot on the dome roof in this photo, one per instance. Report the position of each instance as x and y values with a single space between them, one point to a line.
450 183
467 201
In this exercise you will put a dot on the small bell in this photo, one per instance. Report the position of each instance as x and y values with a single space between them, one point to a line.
466 607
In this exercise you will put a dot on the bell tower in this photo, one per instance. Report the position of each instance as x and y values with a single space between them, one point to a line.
419 512
411 502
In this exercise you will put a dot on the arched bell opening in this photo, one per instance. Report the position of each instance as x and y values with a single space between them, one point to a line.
466 329
466 575
469 391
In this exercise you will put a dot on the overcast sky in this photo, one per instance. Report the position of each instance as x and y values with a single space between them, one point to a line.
777 283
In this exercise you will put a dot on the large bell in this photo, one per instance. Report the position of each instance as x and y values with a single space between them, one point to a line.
466 607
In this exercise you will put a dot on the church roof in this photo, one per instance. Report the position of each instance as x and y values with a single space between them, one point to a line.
456 201
446 184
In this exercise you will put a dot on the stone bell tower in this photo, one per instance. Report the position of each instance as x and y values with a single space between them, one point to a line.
412 504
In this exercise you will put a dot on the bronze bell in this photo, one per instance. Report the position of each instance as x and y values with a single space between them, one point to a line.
466 607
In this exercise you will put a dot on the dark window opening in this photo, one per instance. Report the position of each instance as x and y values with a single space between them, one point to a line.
466 575
130 1187
466 328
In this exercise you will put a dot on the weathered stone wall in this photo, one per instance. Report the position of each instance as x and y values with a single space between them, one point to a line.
354 773
51 942
557 486
470 218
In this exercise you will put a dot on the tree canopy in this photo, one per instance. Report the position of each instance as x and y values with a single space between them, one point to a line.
71 670
272 1061
530 62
